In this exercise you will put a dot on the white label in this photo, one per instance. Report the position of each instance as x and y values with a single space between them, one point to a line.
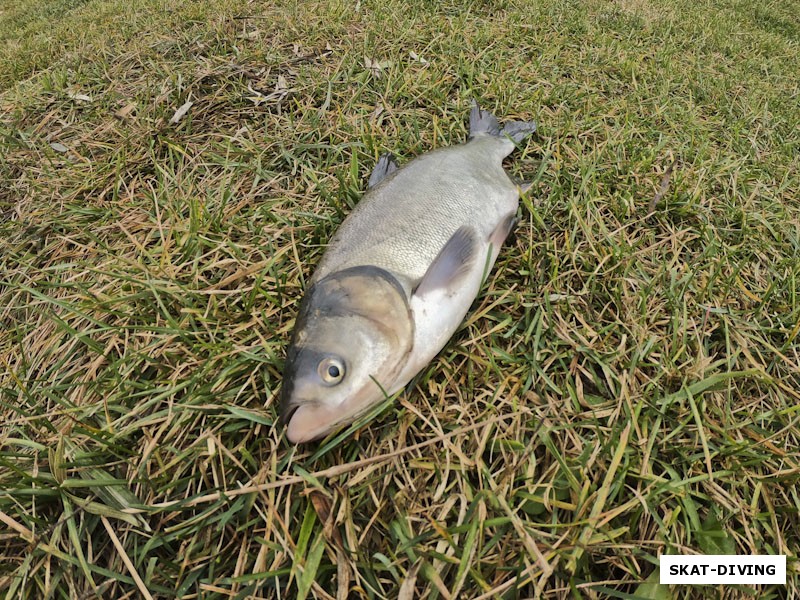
722 568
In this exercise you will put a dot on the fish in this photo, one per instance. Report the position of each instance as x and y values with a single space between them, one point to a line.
398 277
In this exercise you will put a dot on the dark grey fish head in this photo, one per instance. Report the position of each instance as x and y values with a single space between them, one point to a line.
352 334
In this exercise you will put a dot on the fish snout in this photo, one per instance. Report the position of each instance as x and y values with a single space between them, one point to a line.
306 418
308 421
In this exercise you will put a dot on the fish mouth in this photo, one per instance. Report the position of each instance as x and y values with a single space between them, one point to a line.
307 420
287 412
310 421
287 406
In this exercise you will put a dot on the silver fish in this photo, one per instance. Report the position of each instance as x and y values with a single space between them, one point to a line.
398 277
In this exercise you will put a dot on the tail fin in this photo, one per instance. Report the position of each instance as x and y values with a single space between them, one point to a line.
482 121
519 130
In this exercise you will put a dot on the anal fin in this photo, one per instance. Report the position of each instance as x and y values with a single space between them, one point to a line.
386 166
501 232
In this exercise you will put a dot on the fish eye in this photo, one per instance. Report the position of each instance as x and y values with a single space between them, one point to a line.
331 370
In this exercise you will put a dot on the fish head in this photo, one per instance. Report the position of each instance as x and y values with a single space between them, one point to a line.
352 335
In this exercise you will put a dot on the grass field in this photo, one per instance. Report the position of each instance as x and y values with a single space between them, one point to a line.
627 385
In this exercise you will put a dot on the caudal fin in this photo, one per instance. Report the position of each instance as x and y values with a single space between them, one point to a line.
484 122
519 130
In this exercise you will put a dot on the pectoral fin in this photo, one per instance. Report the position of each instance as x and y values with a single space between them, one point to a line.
385 167
452 264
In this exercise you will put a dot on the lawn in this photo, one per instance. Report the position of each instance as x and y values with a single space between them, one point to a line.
626 385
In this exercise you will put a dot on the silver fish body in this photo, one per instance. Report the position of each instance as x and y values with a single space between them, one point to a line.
398 277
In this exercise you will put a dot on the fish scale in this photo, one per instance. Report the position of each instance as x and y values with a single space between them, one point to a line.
402 224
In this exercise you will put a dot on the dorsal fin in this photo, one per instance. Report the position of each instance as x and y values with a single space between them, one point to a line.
385 167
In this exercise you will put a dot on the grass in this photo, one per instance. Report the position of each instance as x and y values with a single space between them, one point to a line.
626 385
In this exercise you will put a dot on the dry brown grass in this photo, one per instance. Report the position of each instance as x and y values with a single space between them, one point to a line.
627 385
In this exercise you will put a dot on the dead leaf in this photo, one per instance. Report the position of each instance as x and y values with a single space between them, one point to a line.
373 117
282 90
125 111
59 147
409 583
81 97
257 97
322 506
181 112
327 104
376 67
662 188
342 576
281 85
418 58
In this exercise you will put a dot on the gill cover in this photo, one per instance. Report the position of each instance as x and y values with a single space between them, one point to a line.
352 334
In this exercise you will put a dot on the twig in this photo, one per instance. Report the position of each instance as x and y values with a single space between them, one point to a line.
662 188
126 559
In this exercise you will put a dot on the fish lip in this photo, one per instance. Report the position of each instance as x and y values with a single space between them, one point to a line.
316 434
288 404
287 412
338 420
286 407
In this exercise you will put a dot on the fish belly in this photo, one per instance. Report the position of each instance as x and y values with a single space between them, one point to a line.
438 314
